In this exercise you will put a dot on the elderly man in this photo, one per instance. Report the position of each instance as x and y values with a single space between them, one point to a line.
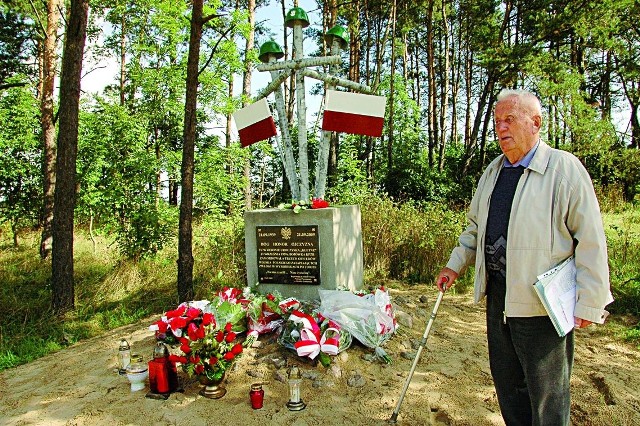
534 207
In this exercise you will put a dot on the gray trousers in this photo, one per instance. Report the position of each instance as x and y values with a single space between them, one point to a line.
531 366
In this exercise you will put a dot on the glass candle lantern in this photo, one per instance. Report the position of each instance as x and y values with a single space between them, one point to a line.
124 356
256 395
295 379
159 370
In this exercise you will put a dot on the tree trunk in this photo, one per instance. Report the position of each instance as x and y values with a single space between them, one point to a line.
173 190
635 126
468 73
455 84
444 92
185 234
301 106
48 125
332 166
477 122
431 78
289 96
485 129
123 57
354 42
65 189
158 154
606 86
246 91
392 77
229 118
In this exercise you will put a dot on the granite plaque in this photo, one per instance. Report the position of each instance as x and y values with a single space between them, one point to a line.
288 254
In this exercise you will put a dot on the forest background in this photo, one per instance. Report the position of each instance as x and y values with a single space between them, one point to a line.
100 193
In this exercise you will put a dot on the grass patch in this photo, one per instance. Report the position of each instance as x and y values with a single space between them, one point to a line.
109 291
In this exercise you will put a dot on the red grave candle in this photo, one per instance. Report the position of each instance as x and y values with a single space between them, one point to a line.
256 395
159 375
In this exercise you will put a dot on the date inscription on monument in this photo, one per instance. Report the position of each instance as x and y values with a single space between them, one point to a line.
288 254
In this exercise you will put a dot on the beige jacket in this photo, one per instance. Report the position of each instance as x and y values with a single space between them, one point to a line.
555 214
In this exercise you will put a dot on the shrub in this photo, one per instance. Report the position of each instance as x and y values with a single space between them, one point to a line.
623 242
409 241
218 246
146 229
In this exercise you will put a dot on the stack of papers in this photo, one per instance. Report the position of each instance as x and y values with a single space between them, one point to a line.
557 291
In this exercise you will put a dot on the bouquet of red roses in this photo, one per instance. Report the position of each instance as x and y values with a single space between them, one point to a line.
176 323
208 350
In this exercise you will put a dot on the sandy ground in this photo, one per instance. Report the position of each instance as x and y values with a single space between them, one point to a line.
451 385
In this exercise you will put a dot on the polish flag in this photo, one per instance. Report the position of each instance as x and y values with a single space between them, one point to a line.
255 123
354 113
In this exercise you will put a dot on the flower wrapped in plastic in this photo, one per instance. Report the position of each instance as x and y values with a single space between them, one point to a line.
263 315
230 306
312 335
232 295
369 318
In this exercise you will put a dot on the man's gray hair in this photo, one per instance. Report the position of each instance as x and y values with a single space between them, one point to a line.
525 98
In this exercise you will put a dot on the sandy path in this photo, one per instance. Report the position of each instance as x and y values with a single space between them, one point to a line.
452 384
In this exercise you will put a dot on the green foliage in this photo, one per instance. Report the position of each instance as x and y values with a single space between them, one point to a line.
109 294
350 185
219 250
14 53
622 167
632 334
118 174
219 180
20 170
401 177
623 242
408 241
146 230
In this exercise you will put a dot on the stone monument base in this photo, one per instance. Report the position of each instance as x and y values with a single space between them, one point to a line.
298 253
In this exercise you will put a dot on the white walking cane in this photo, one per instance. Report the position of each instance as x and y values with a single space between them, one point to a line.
423 342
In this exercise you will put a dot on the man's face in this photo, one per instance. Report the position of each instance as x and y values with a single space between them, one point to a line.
517 128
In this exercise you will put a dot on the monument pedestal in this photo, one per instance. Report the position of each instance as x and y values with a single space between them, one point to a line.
298 253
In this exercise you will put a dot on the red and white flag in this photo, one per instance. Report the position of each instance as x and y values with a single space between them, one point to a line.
255 123
354 113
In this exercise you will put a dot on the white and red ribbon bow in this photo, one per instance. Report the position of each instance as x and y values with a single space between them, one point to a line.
330 341
308 344
311 341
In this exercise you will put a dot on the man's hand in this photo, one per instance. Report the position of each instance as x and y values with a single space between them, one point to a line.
445 279
581 323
